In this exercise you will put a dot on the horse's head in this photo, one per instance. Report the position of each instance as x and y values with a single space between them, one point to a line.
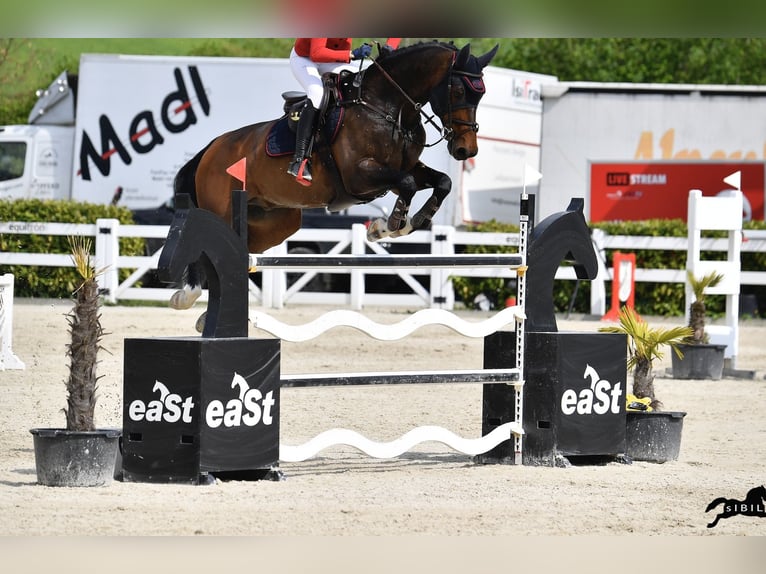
456 98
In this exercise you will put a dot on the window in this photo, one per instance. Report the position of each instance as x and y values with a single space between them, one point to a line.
12 155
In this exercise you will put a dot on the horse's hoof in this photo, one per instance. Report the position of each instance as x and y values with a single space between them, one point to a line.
405 229
376 230
421 222
185 298
200 324
179 300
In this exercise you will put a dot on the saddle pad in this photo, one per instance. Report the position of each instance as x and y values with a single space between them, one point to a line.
280 140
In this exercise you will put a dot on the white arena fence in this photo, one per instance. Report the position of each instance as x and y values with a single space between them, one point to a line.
8 360
275 293
754 241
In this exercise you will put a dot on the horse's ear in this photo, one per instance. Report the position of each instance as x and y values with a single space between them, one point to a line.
462 58
487 58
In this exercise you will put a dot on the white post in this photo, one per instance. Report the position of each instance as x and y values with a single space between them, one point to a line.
8 360
107 252
358 247
273 281
598 285
722 212
442 291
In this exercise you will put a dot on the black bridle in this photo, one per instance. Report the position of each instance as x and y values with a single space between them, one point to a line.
458 90
463 90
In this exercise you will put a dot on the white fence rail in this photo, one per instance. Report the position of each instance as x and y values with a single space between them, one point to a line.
753 241
441 240
275 292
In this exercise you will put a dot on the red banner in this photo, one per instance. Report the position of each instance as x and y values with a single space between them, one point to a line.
632 191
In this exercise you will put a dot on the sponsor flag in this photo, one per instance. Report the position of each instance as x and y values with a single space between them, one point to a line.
531 175
238 171
734 180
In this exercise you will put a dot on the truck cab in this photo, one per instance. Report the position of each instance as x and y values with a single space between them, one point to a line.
36 158
35 162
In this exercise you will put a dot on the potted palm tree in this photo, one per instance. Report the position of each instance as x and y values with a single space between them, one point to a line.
651 434
80 454
699 358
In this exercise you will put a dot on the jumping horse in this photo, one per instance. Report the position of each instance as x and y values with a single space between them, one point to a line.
373 147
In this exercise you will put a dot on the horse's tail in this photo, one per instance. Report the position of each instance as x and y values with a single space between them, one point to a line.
184 181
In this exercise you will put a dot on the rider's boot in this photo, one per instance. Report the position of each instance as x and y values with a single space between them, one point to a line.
300 166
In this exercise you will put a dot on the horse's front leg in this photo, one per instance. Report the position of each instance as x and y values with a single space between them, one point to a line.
441 184
398 223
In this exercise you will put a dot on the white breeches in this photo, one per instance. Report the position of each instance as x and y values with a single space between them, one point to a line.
309 74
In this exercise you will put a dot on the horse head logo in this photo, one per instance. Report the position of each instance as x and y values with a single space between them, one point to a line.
162 389
238 381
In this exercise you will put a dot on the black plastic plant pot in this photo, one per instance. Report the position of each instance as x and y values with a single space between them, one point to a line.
72 458
702 361
654 436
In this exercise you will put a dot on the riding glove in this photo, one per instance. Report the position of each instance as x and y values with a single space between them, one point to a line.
362 51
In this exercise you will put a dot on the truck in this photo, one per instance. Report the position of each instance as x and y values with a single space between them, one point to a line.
634 151
119 130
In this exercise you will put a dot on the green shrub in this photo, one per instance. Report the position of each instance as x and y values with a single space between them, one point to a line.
659 299
55 282
496 289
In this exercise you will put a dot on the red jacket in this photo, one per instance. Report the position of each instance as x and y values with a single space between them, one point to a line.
322 50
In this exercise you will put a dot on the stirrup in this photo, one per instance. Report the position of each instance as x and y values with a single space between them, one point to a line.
294 167
304 173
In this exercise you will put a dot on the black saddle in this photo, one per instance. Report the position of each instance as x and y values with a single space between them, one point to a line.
337 92
336 95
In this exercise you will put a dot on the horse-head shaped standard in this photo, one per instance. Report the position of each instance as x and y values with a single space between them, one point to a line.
199 237
563 236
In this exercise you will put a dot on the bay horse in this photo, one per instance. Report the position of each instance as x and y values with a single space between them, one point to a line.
374 148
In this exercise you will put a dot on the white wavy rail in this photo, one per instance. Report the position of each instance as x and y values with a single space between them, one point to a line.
399 446
382 332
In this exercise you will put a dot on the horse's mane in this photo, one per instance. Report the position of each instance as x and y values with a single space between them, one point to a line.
425 44
406 51
401 56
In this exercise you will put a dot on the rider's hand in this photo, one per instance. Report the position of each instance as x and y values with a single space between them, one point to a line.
362 51
385 50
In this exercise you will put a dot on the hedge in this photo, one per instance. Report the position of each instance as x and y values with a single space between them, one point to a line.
55 282
658 299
